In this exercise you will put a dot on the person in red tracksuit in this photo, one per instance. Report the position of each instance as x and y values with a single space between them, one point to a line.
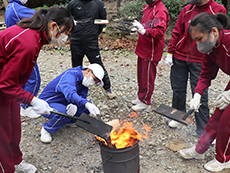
19 49
185 61
212 40
149 50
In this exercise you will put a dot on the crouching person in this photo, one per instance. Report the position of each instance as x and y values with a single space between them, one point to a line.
67 94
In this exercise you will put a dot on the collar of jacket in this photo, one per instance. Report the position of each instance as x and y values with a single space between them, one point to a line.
18 1
157 1
205 5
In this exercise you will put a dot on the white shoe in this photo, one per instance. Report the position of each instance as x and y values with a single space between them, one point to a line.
190 153
25 167
214 142
136 101
215 166
45 136
29 112
141 106
173 124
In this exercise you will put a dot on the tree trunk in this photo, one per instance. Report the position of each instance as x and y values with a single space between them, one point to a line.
5 2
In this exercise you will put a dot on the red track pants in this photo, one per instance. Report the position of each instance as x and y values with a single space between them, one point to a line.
218 127
10 135
146 74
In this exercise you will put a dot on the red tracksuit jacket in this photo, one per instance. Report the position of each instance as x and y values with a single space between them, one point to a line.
220 58
181 45
155 20
16 62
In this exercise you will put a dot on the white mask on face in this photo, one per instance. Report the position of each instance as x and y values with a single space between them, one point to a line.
23 1
60 40
88 82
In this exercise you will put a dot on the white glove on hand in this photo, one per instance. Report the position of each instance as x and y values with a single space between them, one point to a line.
223 100
195 102
40 106
140 27
169 59
71 109
134 31
92 109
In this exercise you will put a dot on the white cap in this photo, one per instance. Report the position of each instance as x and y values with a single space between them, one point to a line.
98 71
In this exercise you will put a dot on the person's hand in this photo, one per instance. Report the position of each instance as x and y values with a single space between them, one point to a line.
169 59
71 109
40 106
195 102
140 27
134 31
92 109
223 100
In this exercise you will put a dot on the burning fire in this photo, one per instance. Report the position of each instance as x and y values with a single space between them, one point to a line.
124 136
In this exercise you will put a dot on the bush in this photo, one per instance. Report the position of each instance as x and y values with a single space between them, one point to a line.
45 3
134 9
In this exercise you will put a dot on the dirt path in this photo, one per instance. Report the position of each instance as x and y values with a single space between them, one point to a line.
73 150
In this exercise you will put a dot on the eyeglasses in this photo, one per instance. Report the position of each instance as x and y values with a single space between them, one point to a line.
66 32
96 80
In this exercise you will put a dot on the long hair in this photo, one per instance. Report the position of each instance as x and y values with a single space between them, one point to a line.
205 22
39 21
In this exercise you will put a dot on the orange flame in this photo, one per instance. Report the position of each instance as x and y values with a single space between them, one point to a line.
125 136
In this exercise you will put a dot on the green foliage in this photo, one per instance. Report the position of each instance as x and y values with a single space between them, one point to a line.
132 9
45 3
174 8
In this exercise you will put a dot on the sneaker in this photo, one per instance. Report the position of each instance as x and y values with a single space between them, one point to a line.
111 94
136 101
45 136
190 153
141 106
215 166
173 124
214 142
25 167
29 112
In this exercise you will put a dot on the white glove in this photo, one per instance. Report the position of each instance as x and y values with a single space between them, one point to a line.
169 59
223 100
134 31
195 102
71 109
140 27
40 106
92 109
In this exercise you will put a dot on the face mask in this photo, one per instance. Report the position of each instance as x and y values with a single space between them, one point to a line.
207 45
88 82
149 1
23 1
60 40
195 2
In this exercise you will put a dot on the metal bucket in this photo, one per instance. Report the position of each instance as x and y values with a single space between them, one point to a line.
125 160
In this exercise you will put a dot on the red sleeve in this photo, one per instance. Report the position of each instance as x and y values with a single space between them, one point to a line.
161 21
209 70
16 71
177 33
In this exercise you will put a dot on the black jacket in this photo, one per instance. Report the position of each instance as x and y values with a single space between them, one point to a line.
85 11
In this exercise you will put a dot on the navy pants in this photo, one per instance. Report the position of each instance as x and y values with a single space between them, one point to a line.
93 54
56 121
180 72
33 84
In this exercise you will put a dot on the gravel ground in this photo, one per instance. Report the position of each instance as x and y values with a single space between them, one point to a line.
73 150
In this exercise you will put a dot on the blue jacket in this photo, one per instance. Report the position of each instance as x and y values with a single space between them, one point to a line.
67 88
16 11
